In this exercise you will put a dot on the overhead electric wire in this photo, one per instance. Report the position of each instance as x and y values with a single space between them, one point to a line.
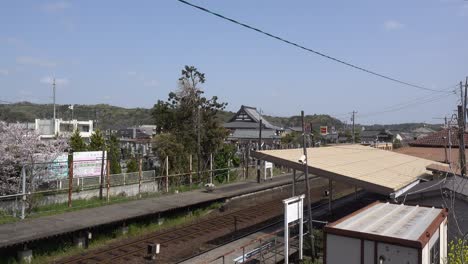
413 102
309 49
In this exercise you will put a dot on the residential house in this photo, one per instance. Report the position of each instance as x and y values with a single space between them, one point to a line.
50 128
370 137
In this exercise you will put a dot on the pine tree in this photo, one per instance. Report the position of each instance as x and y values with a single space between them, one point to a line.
97 141
132 165
77 142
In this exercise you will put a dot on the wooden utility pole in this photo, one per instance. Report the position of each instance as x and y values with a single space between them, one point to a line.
258 149
139 175
306 174
354 133
108 179
461 131
70 177
211 168
198 143
190 170
167 174
101 179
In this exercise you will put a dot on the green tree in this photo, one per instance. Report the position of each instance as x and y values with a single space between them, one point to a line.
132 165
77 142
457 251
226 153
114 155
167 145
180 114
97 141
397 143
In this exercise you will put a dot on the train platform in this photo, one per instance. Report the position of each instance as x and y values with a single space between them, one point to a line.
29 230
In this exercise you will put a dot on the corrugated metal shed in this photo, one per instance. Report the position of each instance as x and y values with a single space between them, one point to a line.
391 220
377 170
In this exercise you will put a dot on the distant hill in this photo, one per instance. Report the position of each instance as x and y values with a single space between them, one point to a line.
114 117
107 116
404 127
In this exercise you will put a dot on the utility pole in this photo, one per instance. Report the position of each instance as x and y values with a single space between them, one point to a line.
352 119
312 134
306 174
53 86
258 149
461 130
198 143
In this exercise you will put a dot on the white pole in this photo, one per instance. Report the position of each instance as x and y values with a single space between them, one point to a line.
286 235
301 228
23 204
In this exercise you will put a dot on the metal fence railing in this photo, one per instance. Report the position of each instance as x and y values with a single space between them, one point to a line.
46 195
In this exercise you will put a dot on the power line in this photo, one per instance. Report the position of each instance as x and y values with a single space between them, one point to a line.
413 102
308 49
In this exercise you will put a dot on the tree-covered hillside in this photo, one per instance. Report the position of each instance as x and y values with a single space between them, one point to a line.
114 117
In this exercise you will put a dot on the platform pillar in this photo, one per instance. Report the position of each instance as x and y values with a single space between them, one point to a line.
25 255
79 241
330 195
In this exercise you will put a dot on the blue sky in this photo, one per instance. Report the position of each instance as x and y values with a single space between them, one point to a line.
130 53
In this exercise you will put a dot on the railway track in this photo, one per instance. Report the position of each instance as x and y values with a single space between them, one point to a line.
134 250
187 240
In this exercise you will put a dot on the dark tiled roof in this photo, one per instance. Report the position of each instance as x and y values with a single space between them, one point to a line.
240 124
254 115
253 134
439 139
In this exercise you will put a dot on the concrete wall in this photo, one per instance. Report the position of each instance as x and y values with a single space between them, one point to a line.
127 190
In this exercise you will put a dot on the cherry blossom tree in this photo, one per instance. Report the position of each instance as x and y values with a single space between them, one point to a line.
23 147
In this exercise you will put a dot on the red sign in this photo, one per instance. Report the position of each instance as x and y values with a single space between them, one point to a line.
323 130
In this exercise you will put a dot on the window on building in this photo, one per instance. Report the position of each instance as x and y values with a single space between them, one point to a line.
434 255
83 128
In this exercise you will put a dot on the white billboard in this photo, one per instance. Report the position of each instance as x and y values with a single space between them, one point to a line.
85 164
88 163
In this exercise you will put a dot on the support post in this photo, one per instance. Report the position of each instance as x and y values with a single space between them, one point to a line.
101 179
286 236
248 161
190 171
228 170
139 176
354 133
70 178
306 175
108 180
211 168
167 174
23 187
461 137
330 195
294 183
258 149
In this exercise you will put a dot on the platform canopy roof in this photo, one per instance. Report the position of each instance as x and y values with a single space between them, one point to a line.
376 170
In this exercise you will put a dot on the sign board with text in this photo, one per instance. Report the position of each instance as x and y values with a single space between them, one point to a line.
323 130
